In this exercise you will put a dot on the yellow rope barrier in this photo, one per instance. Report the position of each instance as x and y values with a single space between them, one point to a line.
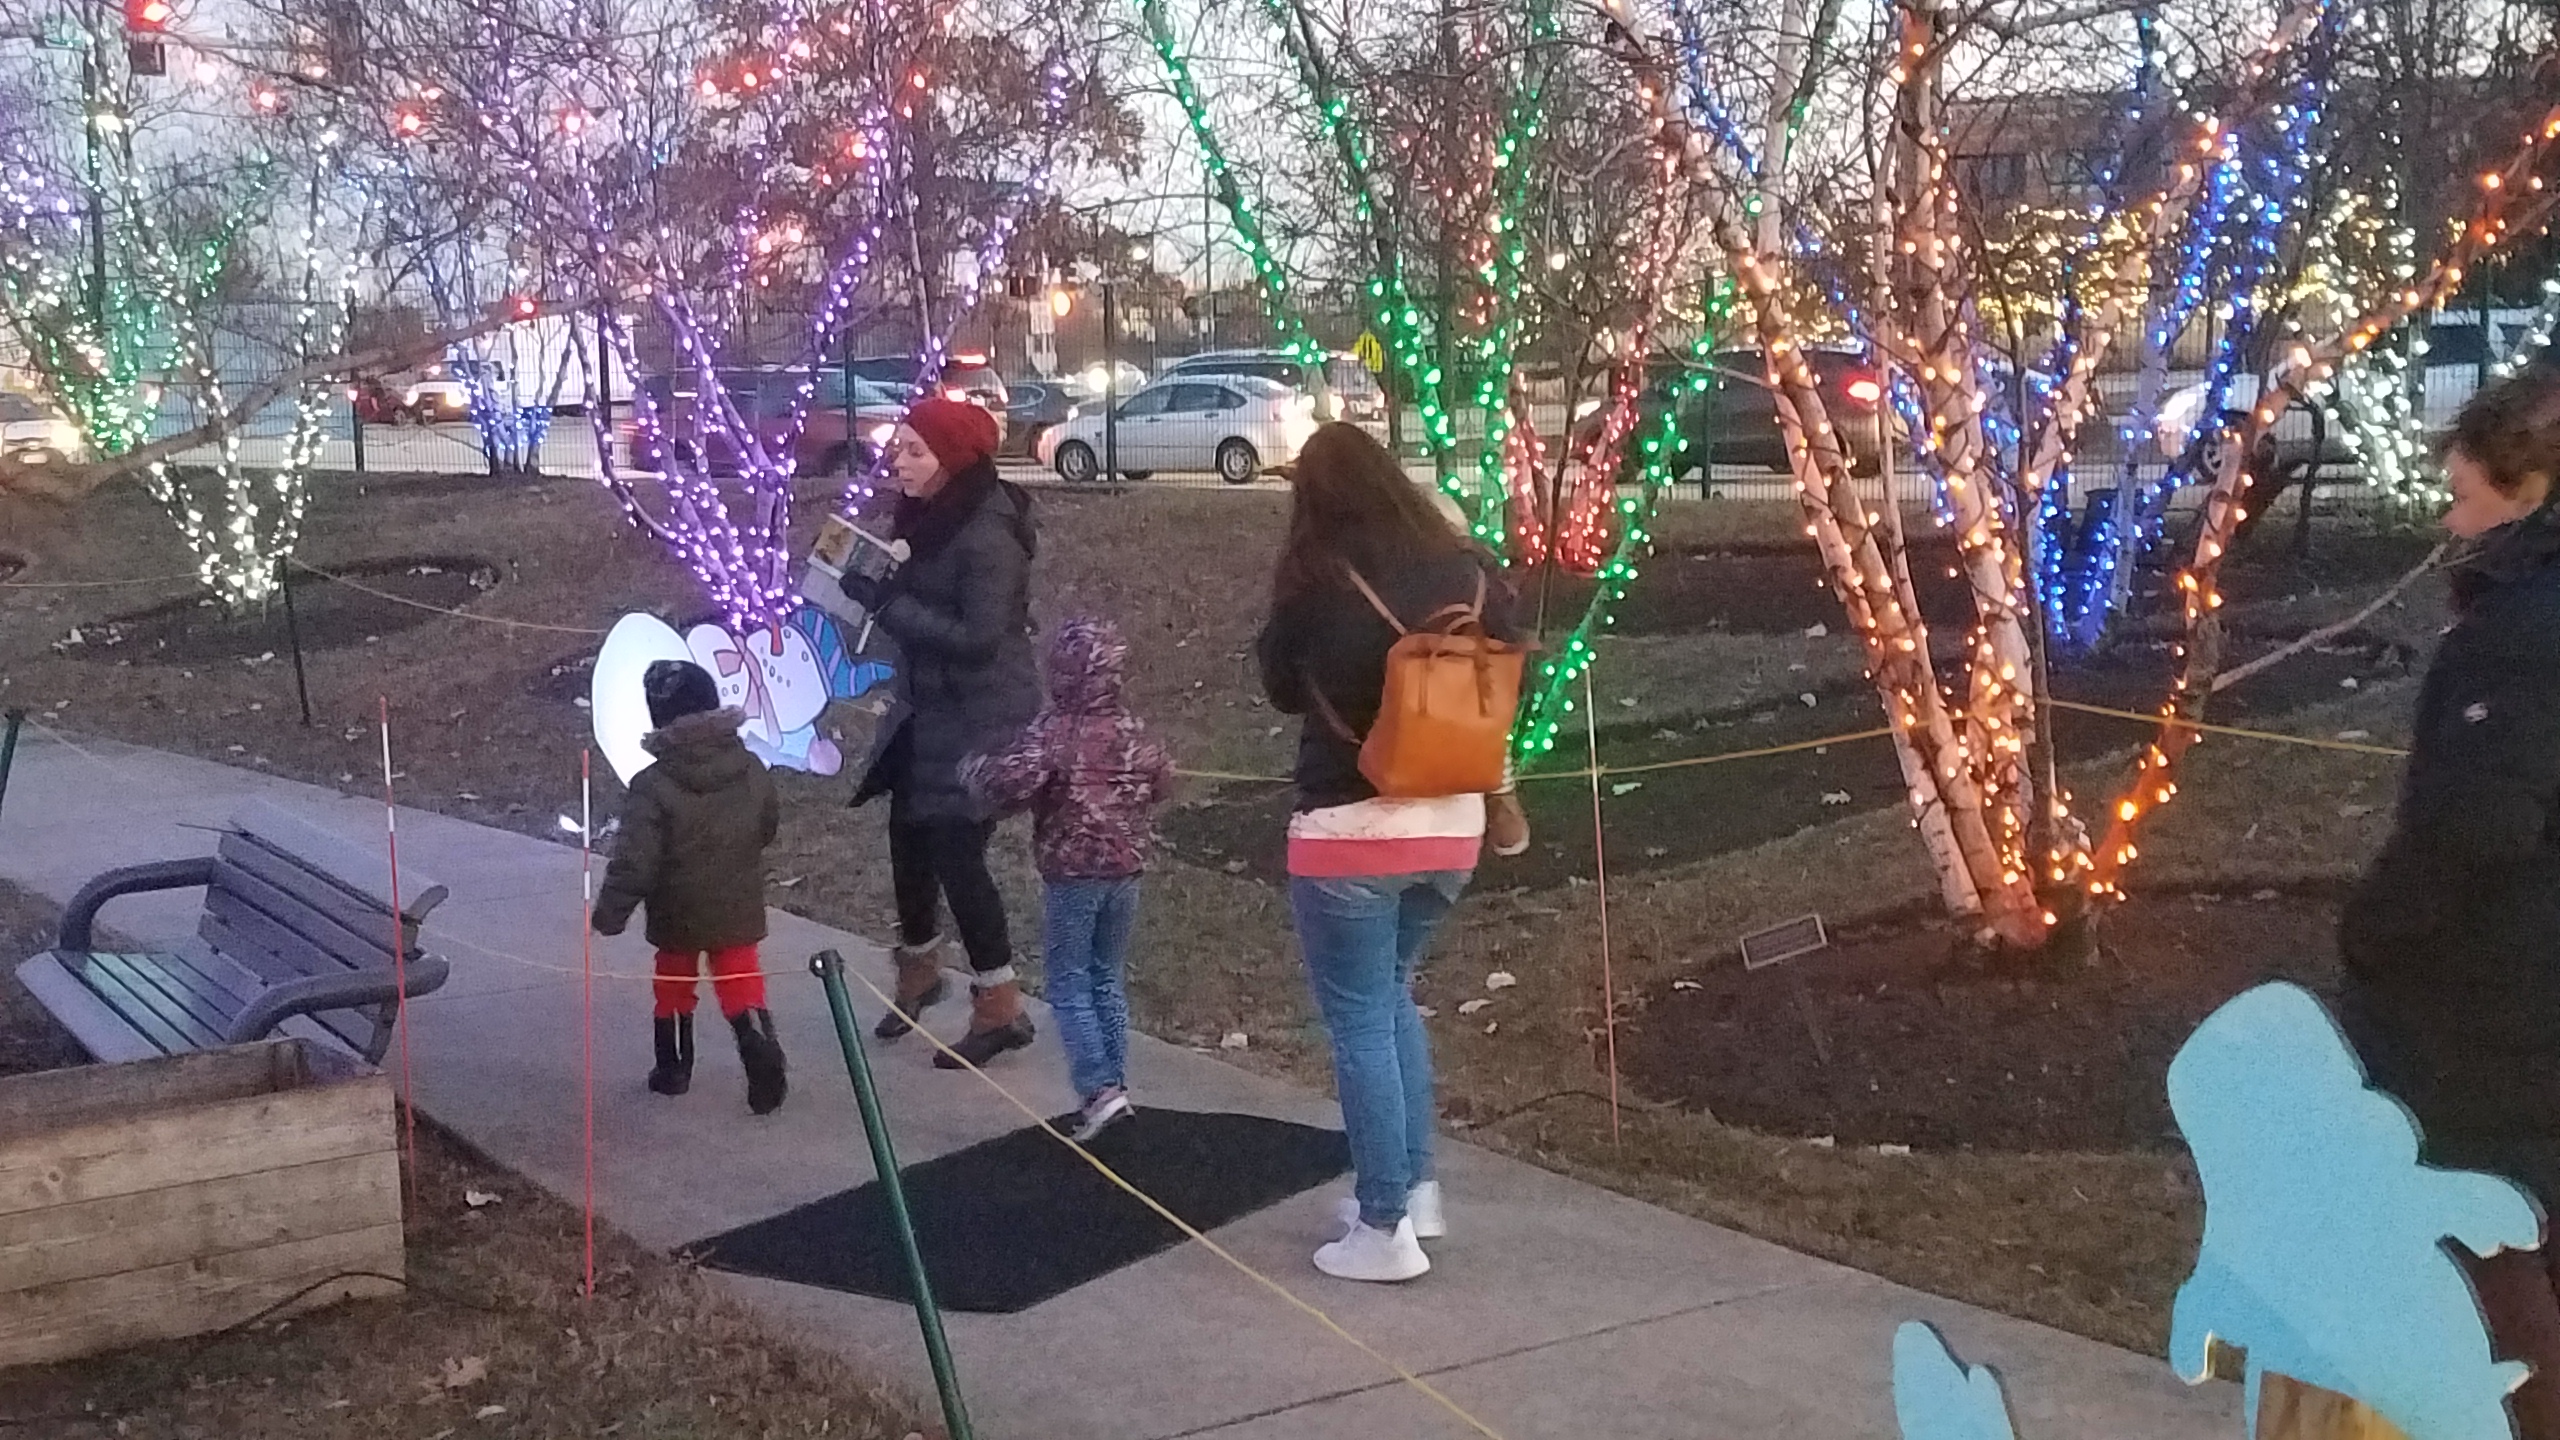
94 584
2314 742
1400 1371
365 589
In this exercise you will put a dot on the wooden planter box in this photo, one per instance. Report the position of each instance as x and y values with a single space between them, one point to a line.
170 1197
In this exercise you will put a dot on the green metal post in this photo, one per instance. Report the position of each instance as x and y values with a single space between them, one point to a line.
9 749
828 966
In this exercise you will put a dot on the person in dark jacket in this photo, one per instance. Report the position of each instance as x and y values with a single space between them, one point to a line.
2451 941
1370 878
1092 779
694 832
959 611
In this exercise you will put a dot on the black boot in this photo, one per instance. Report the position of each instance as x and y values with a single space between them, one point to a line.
761 1054
674 1074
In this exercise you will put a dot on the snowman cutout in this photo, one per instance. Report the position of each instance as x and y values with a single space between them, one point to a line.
771 676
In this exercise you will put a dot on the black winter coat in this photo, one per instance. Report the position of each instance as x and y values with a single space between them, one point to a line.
694 831
1334 644
2452 940
959 611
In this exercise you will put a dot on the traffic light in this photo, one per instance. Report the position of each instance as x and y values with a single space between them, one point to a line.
523 307
145 21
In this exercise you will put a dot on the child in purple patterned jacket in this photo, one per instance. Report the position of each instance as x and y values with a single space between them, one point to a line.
1092 780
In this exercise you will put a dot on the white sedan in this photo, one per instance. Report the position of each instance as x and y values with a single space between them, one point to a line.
1238 426
34 434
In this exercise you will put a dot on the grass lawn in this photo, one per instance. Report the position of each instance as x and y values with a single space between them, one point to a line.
1734 647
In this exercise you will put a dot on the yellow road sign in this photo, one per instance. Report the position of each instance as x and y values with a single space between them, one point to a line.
1370 353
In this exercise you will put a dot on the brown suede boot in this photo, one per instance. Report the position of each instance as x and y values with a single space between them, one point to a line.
996 1024
920 983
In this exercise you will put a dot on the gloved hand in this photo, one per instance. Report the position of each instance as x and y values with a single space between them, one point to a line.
605 925
863 590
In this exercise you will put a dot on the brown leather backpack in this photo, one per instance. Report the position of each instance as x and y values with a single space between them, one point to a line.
1444 719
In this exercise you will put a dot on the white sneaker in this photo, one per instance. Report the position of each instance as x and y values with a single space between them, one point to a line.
1105 1108
1374 1255
1422 1207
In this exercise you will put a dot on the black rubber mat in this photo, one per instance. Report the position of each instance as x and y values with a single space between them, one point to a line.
1013 1221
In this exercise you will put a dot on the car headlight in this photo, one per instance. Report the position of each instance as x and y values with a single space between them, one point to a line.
414 392
65 438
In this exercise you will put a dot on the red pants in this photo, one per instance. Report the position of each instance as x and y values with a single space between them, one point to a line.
737 980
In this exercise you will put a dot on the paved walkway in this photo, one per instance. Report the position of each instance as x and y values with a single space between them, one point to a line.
1556 1309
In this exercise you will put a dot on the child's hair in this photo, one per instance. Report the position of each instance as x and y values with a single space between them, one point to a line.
2512 428
677 688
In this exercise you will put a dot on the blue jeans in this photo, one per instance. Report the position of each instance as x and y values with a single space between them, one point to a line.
1085 935
1364 939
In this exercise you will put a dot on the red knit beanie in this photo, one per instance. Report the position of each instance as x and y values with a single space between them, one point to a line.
958 433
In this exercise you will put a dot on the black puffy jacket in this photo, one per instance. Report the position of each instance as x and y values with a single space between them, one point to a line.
2452 939
959 611
1332 644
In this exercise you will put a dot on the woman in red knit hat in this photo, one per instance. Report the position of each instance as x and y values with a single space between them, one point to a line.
960 612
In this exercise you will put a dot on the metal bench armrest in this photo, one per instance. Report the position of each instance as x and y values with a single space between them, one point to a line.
80 917
352 990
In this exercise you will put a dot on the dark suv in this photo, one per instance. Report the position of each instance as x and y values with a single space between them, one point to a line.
1734 420
1356 393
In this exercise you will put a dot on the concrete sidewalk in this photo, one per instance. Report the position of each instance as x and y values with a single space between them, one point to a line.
1554 1310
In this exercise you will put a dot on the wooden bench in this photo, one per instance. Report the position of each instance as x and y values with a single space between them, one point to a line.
295 939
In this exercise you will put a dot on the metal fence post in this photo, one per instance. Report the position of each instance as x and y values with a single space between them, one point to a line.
9 749
828 966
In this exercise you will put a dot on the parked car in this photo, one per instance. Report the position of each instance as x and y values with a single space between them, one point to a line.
965 376
375 403
1237 426
1357 397
1734 420
438 396
1036 407
31 433
834 439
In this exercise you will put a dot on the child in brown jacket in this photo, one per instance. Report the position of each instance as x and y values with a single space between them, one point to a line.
694 832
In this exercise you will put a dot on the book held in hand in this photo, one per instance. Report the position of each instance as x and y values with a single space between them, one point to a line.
843 548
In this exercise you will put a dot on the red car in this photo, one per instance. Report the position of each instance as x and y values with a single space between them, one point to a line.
834 439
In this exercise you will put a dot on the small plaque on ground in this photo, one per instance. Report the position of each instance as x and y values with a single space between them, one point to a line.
1764 948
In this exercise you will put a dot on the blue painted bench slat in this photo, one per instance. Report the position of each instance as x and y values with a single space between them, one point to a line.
295 936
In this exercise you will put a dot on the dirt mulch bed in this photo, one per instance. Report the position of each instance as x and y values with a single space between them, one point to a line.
1928 1052
493 1341
30 1039
1772 589
1668 818
330 615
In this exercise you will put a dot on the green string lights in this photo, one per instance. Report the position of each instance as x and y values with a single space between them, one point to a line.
1398 319
1222 177
1551 697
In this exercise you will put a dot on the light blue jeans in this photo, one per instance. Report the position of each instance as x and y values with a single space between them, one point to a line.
1085 940
1364 938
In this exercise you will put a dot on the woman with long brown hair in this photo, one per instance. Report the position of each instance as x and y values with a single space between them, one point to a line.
1371 878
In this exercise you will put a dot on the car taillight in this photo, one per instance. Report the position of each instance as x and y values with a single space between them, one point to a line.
1864 390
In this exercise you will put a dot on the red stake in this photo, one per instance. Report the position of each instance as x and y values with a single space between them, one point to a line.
399 962
587 969
1600 874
